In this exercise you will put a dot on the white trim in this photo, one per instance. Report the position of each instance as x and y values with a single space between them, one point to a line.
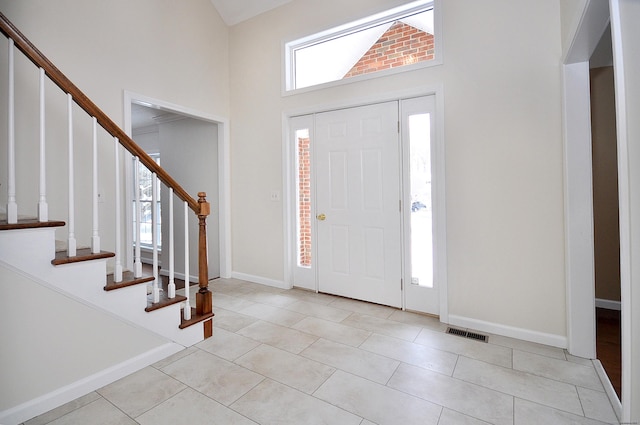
441 231
588 32
261 280
578 210
288 202
608 304
60 396
608 388
584 40
624 201
368 99
553 340
224 197
289 226
165 272
425 300
224 173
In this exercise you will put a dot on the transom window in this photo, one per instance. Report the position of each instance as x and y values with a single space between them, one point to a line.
388 42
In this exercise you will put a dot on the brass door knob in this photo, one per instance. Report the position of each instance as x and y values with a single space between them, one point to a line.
321 217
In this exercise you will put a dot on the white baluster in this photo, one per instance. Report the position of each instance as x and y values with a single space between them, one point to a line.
43 208
154 236
137 262
187 307
12 206
71 243
117 272
171 288
95 238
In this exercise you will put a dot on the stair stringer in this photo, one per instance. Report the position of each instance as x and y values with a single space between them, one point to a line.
31 251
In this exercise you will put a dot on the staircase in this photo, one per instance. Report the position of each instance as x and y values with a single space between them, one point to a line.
93 275
32 251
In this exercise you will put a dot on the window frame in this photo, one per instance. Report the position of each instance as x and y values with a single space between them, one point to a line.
289 48
143 245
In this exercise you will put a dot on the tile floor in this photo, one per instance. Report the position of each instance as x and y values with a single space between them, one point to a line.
296 357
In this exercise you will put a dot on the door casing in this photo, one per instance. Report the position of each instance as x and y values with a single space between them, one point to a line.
224 176
289 181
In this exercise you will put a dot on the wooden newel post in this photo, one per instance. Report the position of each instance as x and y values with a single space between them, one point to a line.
204 299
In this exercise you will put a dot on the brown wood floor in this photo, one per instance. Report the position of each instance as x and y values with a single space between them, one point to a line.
608 345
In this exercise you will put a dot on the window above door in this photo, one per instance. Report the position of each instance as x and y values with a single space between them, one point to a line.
401 39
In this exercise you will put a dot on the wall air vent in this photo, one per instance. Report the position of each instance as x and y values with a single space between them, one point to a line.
467 334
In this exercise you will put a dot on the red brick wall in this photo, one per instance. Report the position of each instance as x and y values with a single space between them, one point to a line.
304 201
400 45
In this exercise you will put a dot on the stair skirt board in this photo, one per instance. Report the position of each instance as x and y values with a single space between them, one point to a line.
30 251
129 304
44 403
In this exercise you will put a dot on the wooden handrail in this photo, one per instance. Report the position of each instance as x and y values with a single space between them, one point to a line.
204 304
40 60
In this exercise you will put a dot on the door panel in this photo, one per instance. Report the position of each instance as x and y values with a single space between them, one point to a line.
358 191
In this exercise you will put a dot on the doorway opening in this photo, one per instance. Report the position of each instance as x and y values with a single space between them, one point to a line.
579 196
606 211
193 148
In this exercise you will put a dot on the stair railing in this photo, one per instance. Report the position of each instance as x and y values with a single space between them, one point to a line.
200 206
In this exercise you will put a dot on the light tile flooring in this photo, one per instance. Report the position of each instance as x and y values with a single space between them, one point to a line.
296 357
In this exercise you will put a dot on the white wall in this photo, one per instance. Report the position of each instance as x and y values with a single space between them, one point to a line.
176 141
189 152
55 341
502 96
174 51
148 139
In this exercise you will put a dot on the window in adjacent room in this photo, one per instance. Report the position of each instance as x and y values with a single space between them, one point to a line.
146 205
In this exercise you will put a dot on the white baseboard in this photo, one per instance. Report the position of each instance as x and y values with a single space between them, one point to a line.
63 395
559 341
608 388
259 279
608 304
193 280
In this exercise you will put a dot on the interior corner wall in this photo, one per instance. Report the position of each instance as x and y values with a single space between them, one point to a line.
503 139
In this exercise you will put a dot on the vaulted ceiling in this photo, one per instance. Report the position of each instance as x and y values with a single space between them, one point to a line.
235 11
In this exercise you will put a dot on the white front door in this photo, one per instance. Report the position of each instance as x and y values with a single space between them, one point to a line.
358 217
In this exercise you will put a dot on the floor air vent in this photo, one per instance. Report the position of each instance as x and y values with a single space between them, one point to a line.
467 334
